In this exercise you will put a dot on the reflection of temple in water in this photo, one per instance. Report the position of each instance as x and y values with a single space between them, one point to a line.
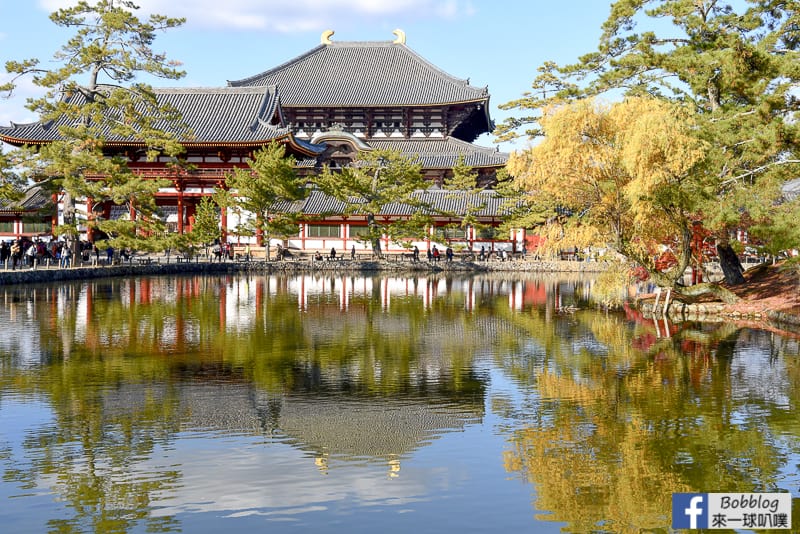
326 303
521 293
333 410
327 425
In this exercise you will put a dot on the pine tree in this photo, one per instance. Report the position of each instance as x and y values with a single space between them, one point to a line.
93 95
11 182
206 228
379 178
463 182
265 190
735 69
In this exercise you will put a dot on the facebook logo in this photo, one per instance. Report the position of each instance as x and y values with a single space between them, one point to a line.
690 510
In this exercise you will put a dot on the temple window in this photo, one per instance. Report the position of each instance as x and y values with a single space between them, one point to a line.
359 231
443 232
322 230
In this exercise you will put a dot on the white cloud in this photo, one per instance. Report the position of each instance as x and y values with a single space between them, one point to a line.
13 109
281 16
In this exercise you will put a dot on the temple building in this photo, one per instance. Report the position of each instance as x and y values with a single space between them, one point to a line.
326 106
31 215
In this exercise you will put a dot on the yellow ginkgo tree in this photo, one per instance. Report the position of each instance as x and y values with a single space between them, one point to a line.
621 175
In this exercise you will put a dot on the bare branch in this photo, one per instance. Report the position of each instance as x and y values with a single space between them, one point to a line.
757 170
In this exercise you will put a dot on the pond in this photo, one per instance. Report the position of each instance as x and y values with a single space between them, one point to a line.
345 403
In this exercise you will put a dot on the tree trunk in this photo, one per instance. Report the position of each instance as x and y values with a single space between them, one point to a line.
73 237
374 236
731 266
692 293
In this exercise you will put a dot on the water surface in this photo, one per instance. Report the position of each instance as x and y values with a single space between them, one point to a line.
376 404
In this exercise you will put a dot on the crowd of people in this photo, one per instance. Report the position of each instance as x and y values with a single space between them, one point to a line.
29 253
24 252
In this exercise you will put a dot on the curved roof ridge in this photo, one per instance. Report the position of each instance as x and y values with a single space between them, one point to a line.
416 54
389 73
214 115
212 90
484 90
269 106
244 82
14 125
473 146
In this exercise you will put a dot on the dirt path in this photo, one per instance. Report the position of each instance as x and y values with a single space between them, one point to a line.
768 288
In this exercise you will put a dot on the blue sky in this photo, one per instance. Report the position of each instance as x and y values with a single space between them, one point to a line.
493 43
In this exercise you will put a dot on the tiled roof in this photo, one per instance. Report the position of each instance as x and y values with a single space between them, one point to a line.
485 203
443 153
318 202
436 153
358 74
225 114
34 200
791 189
214 115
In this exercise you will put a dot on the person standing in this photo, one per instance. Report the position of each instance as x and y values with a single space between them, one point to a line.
16 253
66 255
353 253
31 254
5 252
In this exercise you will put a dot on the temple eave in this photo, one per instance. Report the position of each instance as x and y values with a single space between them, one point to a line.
332 105
18 142
201 144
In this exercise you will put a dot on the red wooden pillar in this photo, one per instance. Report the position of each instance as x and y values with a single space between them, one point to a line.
54 217
179 187
224 223
191 211
223 217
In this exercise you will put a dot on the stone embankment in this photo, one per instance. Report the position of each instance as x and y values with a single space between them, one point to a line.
714 311
51 274
677 311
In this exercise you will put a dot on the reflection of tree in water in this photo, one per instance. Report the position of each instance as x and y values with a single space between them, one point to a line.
620 424
138 361
88 458
108 422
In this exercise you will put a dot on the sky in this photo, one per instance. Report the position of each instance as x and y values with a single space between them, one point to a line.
499 44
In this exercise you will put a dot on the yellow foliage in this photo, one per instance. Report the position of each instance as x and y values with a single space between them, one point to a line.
620 170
